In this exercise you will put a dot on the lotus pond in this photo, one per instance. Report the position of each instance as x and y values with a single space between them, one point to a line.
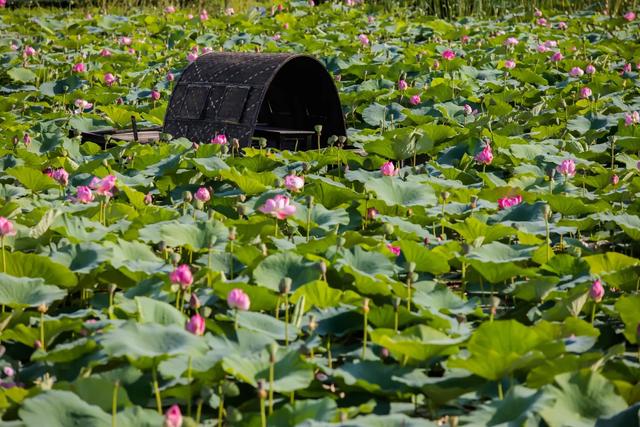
467 256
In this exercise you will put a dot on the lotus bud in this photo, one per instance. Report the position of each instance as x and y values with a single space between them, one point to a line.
317 128
409 212
187 196
384 353
495 302
342 140
223 277
332 140
262 142
285 285
322 266
42 308
365 305
194 301
426 241
105 163
474 202
262 393
411 268
113 288
175 258
263 249
396 303
230 389
445 195
313 324
37 344
235 144
233 235
387 229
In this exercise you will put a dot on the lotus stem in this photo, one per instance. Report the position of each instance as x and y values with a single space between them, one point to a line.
44 345
286 319
263 414
365 310
272 364
189 384
221 405
276 233
329 357
156 389
4 256
114 404
500 392
593 312
235 319
199 411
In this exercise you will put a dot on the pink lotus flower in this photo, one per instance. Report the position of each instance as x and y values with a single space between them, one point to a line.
542 22
82 105
8 371
511 41
285 25
169 9
590 69
551 44
26 139
542 48
597 291
196 325
238 300
229 11
105 52
61 176
562 25
394 249
630 16
465 39
155 95
13 46
388 169
124 40
507 202
585 92
276 37
364 39
6 227
29 51
557 57
192 56
509 64
219 139
448 55
109 79
414 100
615 179
484 157
84 194
537 13
148 199
631 119
103 186
576 72
372 213
173 417
294 183
203 195
468 110
182 276
207 49
402 85
567 167
3 3
79 67
278 207
204 15
170 77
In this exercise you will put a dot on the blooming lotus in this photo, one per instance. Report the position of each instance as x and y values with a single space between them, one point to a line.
204 15
79 67
103 186
576 72
484 157
61 176
585 92
448 55
567 167
219 139
388 169
542 48
363 39
542 22
82 105
507 202
278 207
169 9
192 56
84 194
511 41
630 16
105 52
394 249
109 79
126 41
182 276
631 119
468 110
509 64
6 228
562 25
237 299
414 100
294 183
557 57
196 325
372 213
29 51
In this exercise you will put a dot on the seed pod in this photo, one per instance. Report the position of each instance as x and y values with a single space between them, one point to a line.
42 308
233 235
365 305
175 258
262 393
187 196
285 285
317 128
387 229
445 195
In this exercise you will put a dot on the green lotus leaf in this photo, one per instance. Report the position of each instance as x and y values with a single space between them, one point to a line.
31 265
27 292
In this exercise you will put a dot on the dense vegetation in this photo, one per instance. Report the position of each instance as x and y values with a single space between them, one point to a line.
467 256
